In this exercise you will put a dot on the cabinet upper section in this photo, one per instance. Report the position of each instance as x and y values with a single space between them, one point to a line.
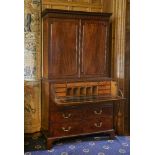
75 45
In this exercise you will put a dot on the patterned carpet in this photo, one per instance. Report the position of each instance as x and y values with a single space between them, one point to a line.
92 145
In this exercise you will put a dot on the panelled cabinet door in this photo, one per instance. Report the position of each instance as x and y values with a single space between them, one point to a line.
94 54
63 54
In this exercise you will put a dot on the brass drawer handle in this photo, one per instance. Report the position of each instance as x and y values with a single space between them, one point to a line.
98 124
66 130
66 116
98 113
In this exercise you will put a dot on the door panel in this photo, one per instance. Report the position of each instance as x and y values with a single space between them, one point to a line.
93 48
63 48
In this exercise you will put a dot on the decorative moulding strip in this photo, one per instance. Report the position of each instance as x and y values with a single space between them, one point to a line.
85 9
97 2
73 4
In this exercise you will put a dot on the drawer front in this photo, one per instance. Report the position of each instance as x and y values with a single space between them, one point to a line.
66 129
81 113
97 125
98 111
66 116
81 127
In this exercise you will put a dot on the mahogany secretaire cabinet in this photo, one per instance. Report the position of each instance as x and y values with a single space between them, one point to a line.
78 93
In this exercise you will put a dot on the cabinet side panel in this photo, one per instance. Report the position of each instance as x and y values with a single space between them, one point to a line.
45 105
45 48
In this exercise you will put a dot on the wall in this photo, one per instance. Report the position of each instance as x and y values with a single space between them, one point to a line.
33 54
79 5
127 70
32 66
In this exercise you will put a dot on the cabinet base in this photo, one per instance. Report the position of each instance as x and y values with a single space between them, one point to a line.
50 140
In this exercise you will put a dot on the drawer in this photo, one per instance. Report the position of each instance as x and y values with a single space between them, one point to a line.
98 111
81 127
81 113
66 115
97 125
66 129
